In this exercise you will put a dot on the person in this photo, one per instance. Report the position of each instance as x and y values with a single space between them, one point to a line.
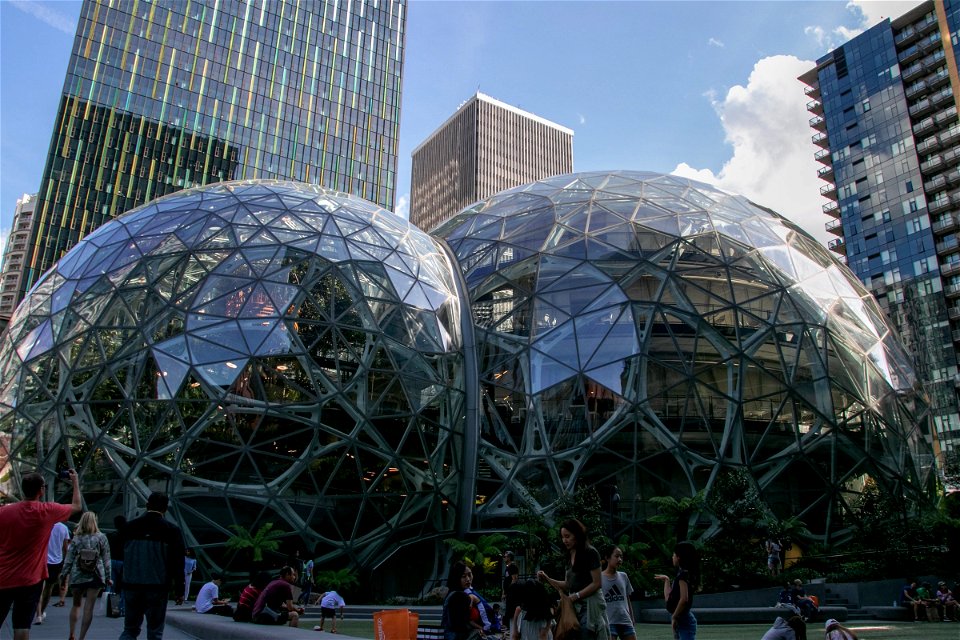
496 619
806 605
306 583
275 603
833 630
25 529
455 618
87 570
773 556
948 604
189 566
793 629
910 599
209 600
785 599
116 559
616 588
582 581
248 597
329 603
930 602
678 594
511 573
152 564
56 550
534 618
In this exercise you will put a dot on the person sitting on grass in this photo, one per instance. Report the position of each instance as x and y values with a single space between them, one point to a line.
833 630
793 629
275 604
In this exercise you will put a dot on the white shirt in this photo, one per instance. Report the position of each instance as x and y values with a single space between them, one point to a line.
332 600
58 535
208 593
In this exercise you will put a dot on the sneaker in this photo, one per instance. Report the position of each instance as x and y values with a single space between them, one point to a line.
318 628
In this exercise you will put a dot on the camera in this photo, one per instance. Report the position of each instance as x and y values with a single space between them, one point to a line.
63 474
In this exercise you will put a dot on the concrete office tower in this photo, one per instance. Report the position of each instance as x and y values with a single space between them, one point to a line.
160 96
13 255
485 147
884 111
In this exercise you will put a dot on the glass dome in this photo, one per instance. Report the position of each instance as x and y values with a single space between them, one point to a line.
264 352
643 333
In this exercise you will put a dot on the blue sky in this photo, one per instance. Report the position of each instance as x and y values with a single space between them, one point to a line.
703 89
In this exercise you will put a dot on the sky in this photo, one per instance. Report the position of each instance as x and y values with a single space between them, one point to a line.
706 90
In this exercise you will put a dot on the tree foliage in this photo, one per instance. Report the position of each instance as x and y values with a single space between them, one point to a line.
265 539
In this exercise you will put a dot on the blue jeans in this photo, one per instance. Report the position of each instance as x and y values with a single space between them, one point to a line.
686 627
140 604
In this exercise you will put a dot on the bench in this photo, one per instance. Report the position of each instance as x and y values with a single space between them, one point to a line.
889 613
429 632
738 615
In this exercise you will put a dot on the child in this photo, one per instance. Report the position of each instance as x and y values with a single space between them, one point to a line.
616 589
534 616
496 620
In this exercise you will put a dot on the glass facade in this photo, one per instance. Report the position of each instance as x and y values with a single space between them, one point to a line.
164 96
264 352
642 333
276 352
886 120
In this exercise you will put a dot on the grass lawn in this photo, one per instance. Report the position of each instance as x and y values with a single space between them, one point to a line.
878 629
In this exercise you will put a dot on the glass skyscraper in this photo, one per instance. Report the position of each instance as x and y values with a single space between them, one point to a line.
161 96
884 115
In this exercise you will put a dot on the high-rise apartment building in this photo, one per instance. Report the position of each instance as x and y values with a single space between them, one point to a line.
485 147
14 253
884 111
160 96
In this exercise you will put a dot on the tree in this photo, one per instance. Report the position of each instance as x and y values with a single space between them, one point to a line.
679 513
479 555
265 539
339 580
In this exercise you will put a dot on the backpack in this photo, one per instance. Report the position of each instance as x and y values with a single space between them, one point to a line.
87 560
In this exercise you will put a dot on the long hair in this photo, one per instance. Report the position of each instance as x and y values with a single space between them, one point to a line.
799 627
689 560
453 578
579 531
535 601
88 524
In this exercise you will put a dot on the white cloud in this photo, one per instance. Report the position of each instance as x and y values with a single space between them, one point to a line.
767 124
867 13
48 16
403 206
713 42
582 119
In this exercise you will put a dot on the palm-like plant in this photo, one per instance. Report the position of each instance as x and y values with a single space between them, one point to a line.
265 539
476 554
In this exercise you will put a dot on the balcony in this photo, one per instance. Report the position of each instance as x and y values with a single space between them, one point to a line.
924 125
906 36
927 145
835 227
947 246
931 42
826 173
937 78
813 91
920 108
941 95
912 71
952 291
823 156
953 312
832 209
837 245
946 115
949 268
916 88
829 191
933 59
910 53
944 224
931 165
929 21
821 140
949 136
939 204
818 123
815 106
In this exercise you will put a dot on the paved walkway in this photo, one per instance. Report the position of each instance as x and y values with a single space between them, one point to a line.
57 627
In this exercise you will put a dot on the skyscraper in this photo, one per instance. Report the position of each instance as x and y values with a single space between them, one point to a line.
163 96
885 117
13 254
485 147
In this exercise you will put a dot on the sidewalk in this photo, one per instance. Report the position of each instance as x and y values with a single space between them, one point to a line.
57 627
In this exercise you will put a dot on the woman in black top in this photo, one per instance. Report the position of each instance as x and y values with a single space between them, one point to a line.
679 594
582 581
455 618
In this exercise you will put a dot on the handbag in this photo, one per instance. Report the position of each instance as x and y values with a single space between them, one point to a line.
568 626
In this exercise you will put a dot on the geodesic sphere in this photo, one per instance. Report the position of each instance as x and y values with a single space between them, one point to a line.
640 333
265 352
